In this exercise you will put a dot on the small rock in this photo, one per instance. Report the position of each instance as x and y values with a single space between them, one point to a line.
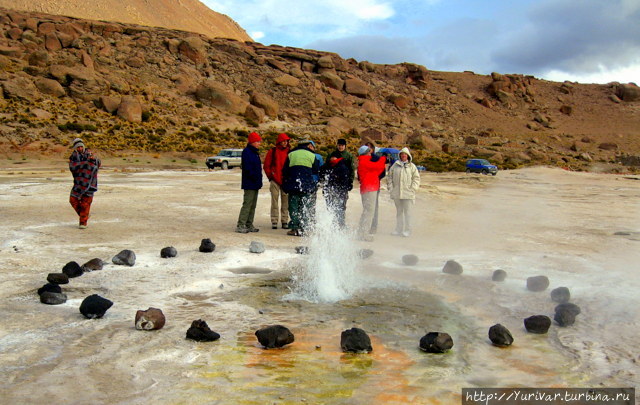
58 278
93 265
302 250
537 283
452 267
436 342
151 319
72 269
537 324
274 336
206 246
53 298
500 336
410 260
573 308
365 253
125 258
499 275
167 252
561 295
566 314
256 247
50 287
94 306
355 340
200 332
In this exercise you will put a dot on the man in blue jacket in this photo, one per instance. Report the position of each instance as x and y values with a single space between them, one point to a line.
299 183
251 184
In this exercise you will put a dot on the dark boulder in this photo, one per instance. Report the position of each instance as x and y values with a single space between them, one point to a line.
537 283
537 324
499 275
436 342
500 336
410 260
355 340
561 295
168 252
566 314
93 265
50 287
94 306
302 250
72 269
365 253
53 298
200 332
151 319
206 246
274 336
452 267
125 258
58 278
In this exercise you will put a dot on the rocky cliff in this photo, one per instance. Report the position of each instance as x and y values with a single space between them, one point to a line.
131 87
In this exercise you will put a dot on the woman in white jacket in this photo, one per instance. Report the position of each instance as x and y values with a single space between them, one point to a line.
403 180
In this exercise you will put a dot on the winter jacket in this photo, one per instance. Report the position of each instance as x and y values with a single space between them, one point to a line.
403 179
369 173
274 162
84 168
348 157
251 169
336 176
298 172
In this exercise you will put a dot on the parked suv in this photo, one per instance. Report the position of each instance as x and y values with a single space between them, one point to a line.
226 159
481 166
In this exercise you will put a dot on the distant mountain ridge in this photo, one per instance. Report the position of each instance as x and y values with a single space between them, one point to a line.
185 15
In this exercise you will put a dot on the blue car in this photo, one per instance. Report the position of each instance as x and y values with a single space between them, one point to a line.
481 166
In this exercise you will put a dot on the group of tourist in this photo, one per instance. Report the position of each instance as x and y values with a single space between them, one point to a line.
296 174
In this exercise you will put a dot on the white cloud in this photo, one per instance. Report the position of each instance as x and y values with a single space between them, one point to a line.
256 35
622 75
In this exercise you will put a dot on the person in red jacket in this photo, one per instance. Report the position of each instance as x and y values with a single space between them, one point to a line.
369 172
273 165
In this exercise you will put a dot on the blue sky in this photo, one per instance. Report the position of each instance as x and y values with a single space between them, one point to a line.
590 41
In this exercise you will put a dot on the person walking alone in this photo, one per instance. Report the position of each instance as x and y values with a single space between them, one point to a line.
84 166
369 172
251 184
273 167
403 181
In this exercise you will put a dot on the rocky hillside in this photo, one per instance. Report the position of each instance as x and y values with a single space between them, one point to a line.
127 87
185 15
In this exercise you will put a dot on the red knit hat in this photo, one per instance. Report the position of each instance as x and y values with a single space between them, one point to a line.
254 137
282 137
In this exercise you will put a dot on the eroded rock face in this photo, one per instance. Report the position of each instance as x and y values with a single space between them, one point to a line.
95 306
274 336
436 342
151 319
200 332
500 336
355 340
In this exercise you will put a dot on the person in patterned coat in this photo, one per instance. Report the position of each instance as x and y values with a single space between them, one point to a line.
84 166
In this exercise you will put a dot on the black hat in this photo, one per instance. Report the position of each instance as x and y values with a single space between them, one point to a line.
342 141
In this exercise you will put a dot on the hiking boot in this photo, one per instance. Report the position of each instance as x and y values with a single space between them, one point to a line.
406 234
242 229
82 226
253 229
285 226
274 226
292 232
